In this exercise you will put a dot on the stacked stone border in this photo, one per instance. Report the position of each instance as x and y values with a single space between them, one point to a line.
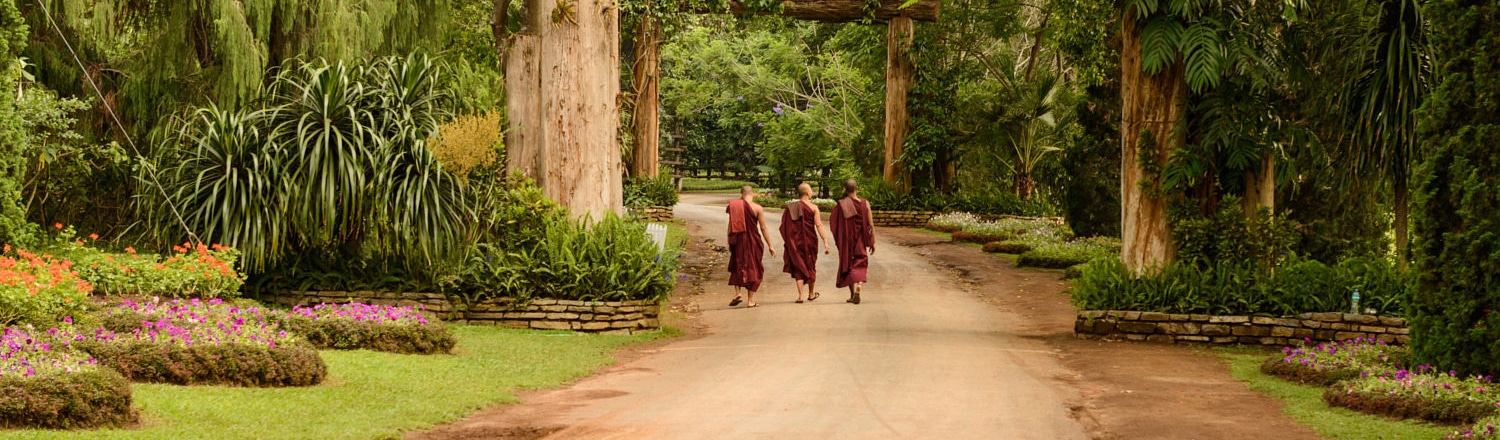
1254 330
659 214
612 317
902 219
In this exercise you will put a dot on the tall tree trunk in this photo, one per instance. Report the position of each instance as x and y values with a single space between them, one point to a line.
1260 188
499 28
1150 103
898 79
1036 46
563 97
1403 210
647 99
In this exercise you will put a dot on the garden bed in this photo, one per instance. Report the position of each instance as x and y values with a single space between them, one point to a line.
1238 329
362 326
48 385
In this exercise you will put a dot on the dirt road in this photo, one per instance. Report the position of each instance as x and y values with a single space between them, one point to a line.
920 358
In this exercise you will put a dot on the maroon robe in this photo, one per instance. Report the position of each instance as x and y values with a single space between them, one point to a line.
745 249
852 232
800 239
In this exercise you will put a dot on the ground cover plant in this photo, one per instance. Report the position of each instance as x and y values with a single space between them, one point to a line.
47 384
692 184
642 192
612 260
1327 363
355 326
1487 429
1038 243
414 392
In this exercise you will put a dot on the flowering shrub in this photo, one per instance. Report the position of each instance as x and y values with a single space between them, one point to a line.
1487 429
952 222
188 271
1062 255
201 342
48 385
1015 247
39 289
357 326
1440 397
825 205
1328 363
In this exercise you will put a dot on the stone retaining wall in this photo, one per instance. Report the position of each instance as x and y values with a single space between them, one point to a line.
1258 330
658 214
903 219
550 314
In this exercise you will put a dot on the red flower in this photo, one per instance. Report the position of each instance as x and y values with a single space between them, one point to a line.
130 250
57 225
93 236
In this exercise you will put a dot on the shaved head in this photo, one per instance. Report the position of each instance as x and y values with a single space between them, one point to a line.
747 190
804 189
851 186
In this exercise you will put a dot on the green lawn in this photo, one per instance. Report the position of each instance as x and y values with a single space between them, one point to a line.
370 394
1305 405
693 184
677 232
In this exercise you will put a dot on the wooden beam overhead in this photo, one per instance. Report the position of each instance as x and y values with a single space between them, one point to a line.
844 11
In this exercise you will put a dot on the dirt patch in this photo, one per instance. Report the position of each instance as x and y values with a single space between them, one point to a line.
1124 390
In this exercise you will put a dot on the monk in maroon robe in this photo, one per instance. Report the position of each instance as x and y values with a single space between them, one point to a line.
801 229
746 247
854 234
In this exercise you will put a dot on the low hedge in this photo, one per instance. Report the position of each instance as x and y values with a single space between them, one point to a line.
1328 363
1075 271
1487 429
1006 247
94 398
943 228
1402 406
236 364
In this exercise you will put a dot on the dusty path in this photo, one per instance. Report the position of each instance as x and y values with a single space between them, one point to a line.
920 358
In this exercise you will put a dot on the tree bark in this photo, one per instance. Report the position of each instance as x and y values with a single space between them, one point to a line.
563 99
1150 104
499 20
898 80
844 11
1260 188
646 121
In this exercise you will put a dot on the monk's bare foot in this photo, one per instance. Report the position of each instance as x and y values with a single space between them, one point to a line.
752 305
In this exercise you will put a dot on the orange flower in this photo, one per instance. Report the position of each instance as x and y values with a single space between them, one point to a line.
130 250
93 236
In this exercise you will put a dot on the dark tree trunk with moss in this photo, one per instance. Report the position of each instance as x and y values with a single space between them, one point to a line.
13 226
1454 322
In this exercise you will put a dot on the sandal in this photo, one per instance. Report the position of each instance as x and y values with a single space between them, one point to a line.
813 297
737 301
799 301
752 305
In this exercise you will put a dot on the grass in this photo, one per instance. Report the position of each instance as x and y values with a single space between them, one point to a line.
677 232
370 394
1305 405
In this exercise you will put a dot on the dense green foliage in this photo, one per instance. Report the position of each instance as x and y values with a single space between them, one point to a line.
1245 288
1457 196
334 164
659 191
612 260
13 226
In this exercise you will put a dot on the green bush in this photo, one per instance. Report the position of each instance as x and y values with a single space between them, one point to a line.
883 197
1075 271
95 398
188 272
1242 288
643 192
1328 363
612 260
979 238
1228 236
1487 429
1457 195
